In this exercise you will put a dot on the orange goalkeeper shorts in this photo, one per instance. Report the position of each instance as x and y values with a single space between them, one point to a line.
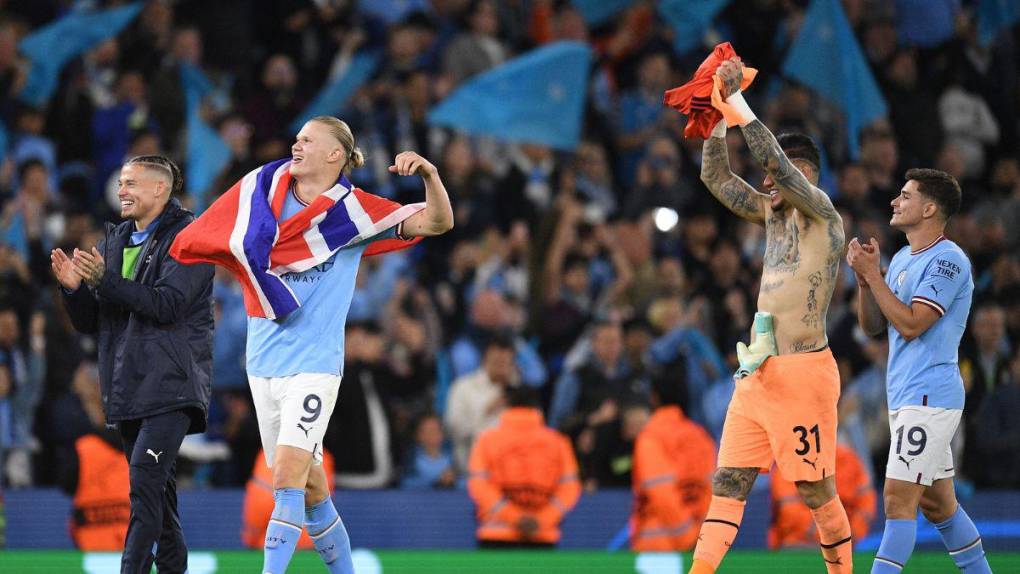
785 411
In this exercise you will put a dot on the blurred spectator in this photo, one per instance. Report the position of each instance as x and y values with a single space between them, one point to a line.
969 125
478 48
471 191
240 430
30 143
23 222
360 428
494 315
273 105
114 124
230 334
912 105
414 334
864 414
506 268
523 478
855 193
237 134
594 179
682 346
26 369
577 284
91 466
880 156
376 280
410 130
997 448
611 460
659 181
984 366
641 111
431 463
13 71
167 96
985 362
526 191
592 393
673 462
792 525
477 399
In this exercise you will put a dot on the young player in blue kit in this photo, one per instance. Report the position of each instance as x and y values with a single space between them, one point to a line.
924 298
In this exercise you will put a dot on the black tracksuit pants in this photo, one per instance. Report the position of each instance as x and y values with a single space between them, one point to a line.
154 532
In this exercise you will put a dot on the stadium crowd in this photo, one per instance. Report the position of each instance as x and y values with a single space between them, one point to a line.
557 276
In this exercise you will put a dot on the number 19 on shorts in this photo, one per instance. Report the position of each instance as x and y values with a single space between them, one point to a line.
916 437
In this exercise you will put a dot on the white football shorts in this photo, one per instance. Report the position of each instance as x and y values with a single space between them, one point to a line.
294 410
920 449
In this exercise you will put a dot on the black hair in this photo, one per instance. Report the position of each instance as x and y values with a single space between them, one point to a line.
802 147
28 164
938 186
575 260
500 340
522 396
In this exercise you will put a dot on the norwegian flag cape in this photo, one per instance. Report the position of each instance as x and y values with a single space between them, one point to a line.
241 232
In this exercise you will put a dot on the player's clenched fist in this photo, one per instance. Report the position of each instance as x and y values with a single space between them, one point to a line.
410 163
731 72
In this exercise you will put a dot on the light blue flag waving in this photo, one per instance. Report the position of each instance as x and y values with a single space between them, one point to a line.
52 46
537 98
334 95
195 85
994 15
825 57
596 12
207 153
689 20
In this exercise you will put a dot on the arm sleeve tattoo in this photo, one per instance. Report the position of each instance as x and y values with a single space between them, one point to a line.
796 188
733 192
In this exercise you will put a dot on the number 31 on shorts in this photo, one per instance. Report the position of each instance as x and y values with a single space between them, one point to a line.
805 443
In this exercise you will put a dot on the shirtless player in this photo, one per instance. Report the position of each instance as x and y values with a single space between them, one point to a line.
785 409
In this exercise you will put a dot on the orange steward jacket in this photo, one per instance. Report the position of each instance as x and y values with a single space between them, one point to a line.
522 468
672 480
102 503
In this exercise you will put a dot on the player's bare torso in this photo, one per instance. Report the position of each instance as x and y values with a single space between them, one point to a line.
798 276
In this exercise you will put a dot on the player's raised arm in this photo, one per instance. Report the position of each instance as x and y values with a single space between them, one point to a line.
794 185
796 188
732 191
437 217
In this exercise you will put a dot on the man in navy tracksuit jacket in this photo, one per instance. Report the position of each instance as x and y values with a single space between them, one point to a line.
154 321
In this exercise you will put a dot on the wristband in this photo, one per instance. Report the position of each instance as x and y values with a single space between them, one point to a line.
736 99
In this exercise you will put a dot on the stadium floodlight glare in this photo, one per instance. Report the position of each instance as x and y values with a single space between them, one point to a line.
666 219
